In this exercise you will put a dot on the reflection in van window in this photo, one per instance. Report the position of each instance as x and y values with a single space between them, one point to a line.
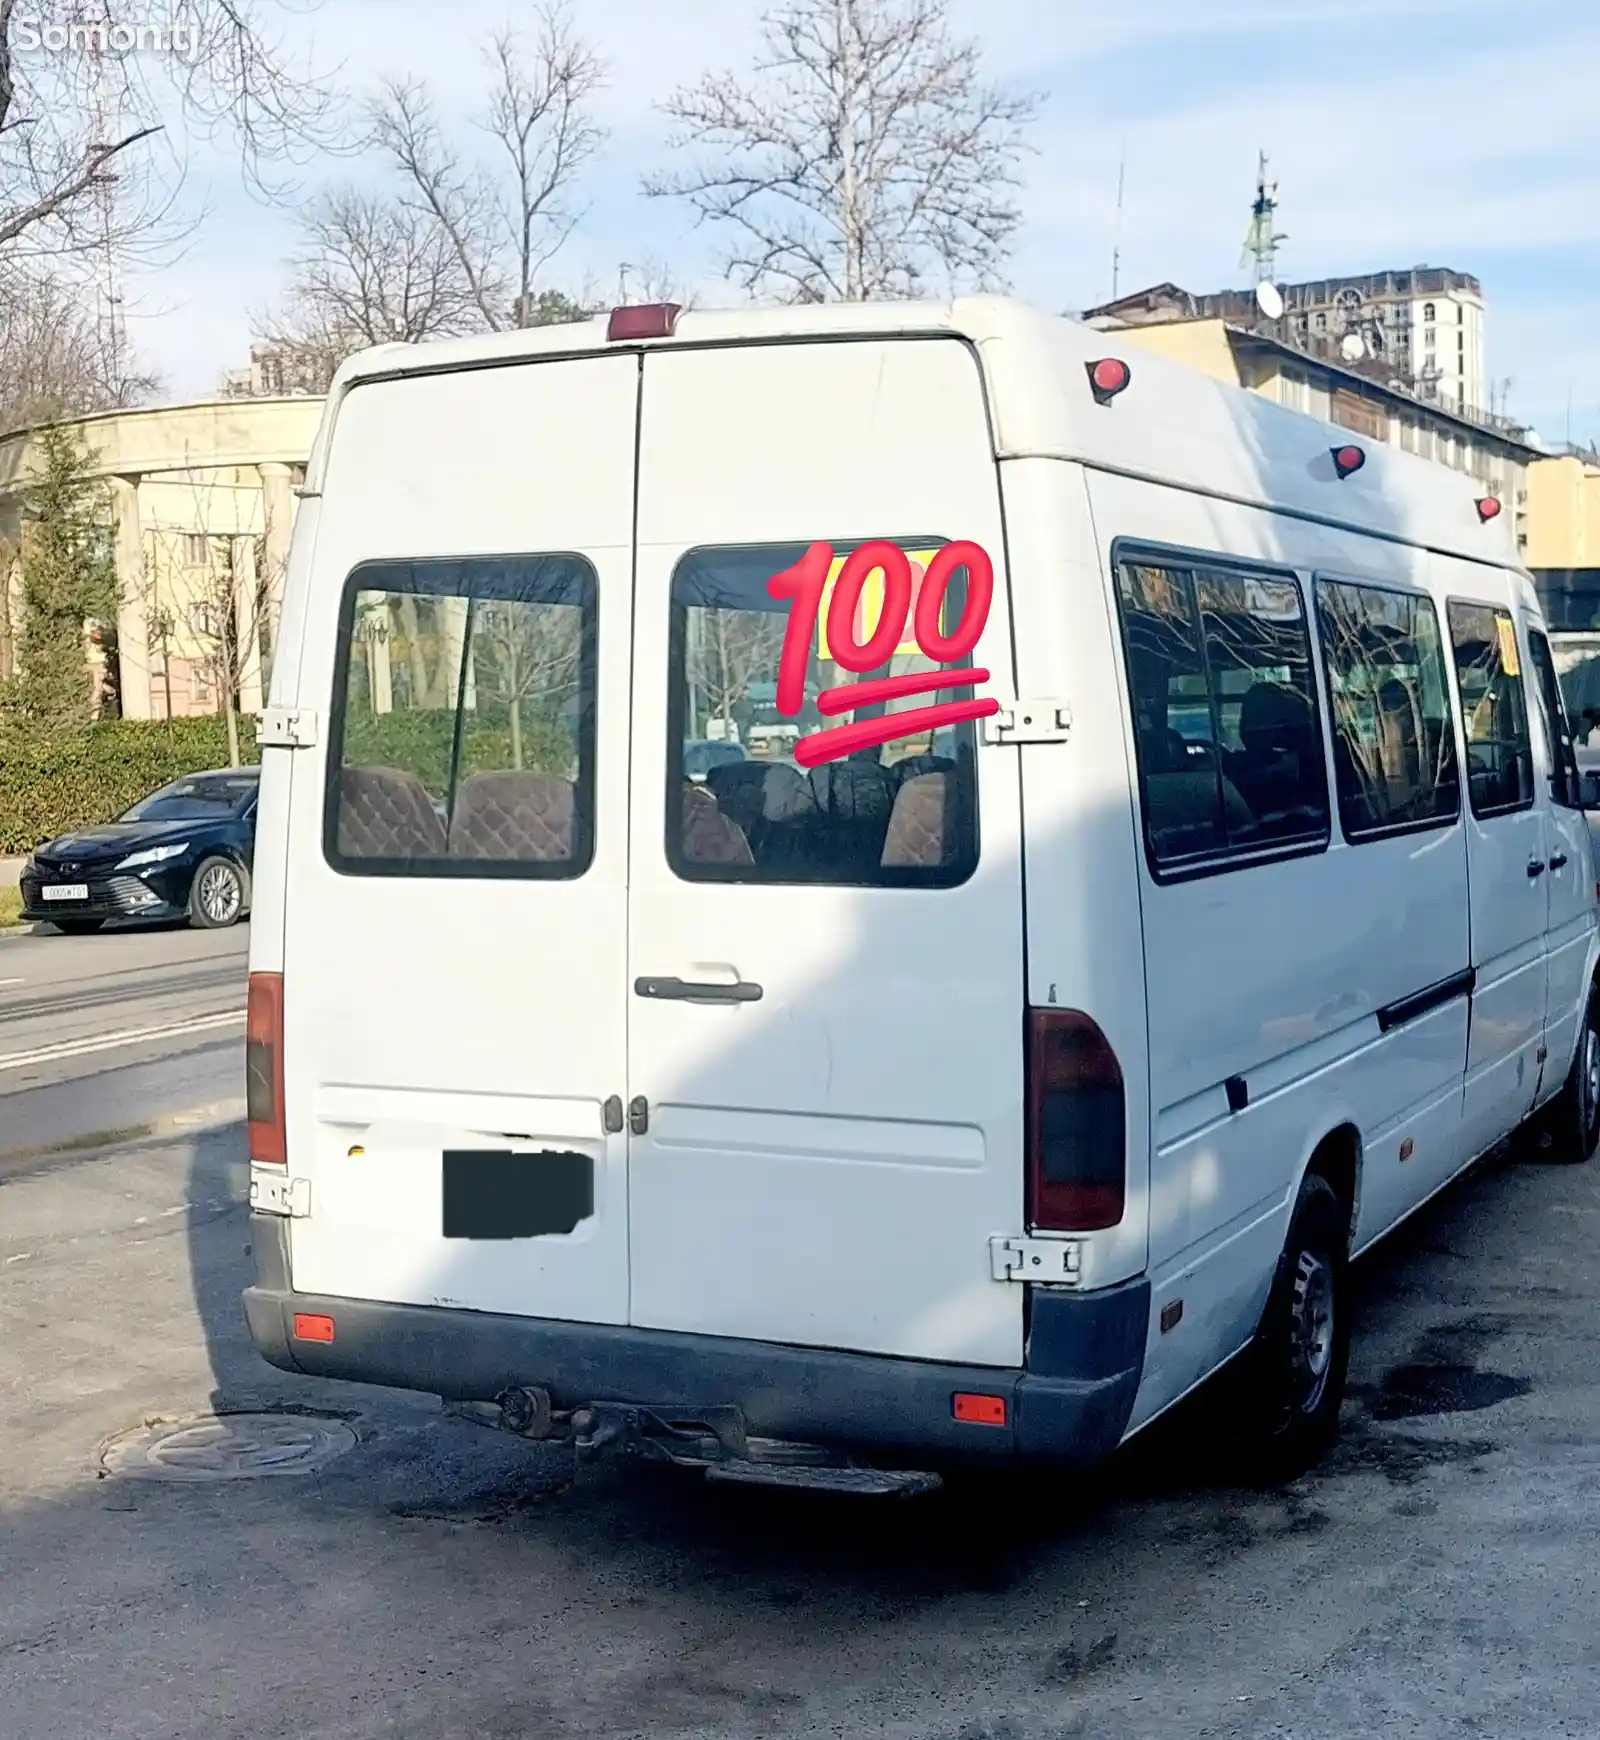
1394 743
739 808
464 721
1494 710
1229 748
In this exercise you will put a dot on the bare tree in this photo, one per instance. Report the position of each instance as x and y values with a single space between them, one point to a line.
83 98
227 618
369 271
52 361
525 653
727 650
503 223
864 152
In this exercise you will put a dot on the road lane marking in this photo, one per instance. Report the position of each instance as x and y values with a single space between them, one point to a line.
128 1036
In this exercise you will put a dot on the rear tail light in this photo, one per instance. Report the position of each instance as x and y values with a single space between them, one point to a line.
1077 1125
263 1069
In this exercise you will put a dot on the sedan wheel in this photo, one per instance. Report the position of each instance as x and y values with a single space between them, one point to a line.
216 896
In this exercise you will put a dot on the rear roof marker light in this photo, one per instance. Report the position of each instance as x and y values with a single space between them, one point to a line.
1348 460
643 320
1108 377
1488 508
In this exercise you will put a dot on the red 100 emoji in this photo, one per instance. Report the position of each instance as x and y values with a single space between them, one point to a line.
803 586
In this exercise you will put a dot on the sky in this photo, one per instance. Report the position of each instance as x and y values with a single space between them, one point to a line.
1459 133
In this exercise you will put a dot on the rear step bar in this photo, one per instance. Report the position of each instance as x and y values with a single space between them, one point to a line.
711 1439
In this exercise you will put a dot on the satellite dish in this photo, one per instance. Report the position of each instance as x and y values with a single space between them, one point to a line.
1352 347
1269 299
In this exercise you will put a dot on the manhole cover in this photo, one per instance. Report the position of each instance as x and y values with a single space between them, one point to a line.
227 1447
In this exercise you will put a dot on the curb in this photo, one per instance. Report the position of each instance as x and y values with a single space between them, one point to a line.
197 1121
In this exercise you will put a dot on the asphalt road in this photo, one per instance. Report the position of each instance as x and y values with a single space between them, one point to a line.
116 1032
1439 1577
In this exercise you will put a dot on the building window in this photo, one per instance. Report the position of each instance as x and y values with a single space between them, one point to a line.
1322 323
197 549
1429 341
1427 313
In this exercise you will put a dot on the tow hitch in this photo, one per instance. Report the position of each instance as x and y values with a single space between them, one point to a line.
713 1439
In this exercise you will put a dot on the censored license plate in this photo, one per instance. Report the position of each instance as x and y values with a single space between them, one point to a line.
499 1193
66 891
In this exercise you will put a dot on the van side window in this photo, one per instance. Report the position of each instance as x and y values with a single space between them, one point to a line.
1566 787
1394 744
1494 711
463 719
739 807
1229 746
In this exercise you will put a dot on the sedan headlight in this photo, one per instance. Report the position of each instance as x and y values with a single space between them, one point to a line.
153 855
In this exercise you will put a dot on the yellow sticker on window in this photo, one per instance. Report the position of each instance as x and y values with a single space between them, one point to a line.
871 606
1508 646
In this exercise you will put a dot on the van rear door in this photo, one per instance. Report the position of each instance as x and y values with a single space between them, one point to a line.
824 963
456 876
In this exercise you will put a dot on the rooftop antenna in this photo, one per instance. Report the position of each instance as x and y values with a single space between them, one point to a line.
1116 236
1261 241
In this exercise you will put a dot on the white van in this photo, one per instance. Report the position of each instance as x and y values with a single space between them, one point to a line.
972 1083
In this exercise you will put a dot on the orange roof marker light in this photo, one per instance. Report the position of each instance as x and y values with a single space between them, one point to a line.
643 320
1108 377
1348 460
1488 508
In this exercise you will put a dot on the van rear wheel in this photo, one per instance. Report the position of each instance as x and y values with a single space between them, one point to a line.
1574 1118
1302 1349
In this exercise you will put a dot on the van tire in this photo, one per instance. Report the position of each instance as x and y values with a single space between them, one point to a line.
1302 1349
1573 1122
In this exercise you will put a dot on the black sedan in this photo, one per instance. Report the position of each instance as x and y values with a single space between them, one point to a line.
183 852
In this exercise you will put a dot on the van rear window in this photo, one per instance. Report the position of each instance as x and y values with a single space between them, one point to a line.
739 807
463 724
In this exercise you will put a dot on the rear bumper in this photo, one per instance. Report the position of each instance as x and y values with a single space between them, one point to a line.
1070 1403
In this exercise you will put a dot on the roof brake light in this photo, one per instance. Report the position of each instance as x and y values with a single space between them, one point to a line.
643 320
1488 508
1108 377
1348 460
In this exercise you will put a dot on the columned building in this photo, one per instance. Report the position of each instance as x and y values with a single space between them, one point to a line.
200 505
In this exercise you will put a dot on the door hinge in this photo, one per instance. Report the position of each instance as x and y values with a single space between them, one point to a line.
1023 1259
1045 720
287 728
272 1193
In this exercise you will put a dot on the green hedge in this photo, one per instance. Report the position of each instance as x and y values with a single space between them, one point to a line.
50 785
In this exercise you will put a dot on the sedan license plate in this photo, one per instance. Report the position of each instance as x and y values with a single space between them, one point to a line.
66 891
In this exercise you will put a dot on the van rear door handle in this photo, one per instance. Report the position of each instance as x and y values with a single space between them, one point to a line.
1557 861
1535 867
697 991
